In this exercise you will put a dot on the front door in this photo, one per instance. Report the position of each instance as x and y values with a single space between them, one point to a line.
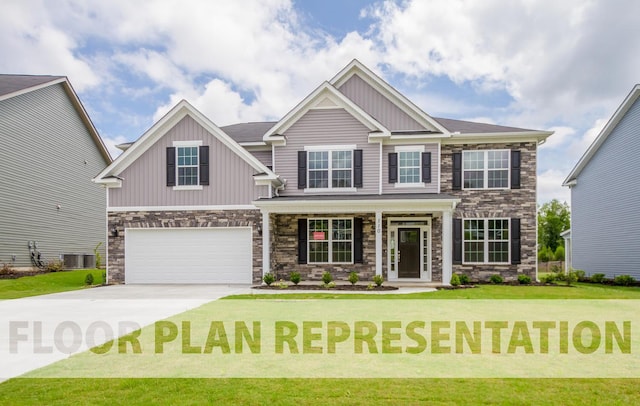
409 253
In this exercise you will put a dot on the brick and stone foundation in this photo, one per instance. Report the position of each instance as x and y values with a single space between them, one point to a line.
174 219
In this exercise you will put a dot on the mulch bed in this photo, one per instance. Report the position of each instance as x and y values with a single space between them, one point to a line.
20 274
364 288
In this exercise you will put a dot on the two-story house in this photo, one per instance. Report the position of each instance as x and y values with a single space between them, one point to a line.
354 178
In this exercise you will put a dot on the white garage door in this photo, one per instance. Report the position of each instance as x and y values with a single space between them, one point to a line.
188 255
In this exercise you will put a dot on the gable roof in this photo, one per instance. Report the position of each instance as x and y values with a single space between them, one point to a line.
355 67
248 132
325 96
109 176
15 85
470 127
604 134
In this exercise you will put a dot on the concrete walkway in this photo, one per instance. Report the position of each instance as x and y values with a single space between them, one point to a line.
38 331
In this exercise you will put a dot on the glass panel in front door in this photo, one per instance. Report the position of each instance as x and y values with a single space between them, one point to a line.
409 255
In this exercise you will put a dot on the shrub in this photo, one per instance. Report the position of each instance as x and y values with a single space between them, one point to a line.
370 286
524 279
353 278
269 278
327 278
496 279
623 280
570 278
88 280
54 266
282 284
377 279
464 279
545 254
582 276
455 280
556 269
104 277
330 285
7 270
98 256
559 254
597 278
295 277
548 278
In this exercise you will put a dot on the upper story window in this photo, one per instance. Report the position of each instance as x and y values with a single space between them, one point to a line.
409 166
330 168
187 165
486 169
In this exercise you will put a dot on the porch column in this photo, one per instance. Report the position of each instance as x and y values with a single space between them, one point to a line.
266 243
379 243
447 247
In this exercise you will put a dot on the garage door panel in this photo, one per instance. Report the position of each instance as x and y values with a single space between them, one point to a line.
188 255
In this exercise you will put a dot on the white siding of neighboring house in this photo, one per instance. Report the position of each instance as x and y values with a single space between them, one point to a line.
48 158
144 184
326 127
605 214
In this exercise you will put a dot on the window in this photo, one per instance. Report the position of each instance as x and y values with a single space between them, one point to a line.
330 169
187 166
486 169
409 167
330 240
486 241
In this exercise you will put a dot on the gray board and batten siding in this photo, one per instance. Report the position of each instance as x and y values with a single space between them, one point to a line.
604 204
378 106
47 159
326 127
230 177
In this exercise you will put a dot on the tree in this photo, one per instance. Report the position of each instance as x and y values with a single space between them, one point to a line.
553 218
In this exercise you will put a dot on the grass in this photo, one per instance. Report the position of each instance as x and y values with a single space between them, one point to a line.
46 283
321 391
350 391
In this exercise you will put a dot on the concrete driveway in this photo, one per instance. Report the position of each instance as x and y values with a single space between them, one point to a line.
38 331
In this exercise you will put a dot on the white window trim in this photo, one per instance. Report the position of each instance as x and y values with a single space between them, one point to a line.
191 143
329 240
409 148
486 241
329 149
485 176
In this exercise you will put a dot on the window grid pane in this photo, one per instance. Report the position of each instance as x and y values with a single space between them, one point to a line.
330 241
409 167
187 165
486 241
492 165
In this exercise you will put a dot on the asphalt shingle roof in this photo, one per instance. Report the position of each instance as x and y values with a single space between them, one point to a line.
248 132
14 83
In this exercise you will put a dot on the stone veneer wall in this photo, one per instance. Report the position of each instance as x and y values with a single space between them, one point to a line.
174 219
512 203
284 253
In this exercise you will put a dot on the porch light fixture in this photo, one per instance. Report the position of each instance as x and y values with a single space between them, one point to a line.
113 232
259 229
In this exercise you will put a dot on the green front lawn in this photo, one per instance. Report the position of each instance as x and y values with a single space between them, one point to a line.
350 391
47 283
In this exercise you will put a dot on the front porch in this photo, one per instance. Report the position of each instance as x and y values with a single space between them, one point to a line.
405 239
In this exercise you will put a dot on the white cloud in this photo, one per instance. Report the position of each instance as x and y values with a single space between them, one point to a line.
550 186
111 142
559 138
579 146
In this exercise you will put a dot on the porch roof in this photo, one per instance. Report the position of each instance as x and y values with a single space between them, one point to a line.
351 203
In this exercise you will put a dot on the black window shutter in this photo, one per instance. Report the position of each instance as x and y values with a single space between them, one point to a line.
457 170
426 167
457 241
302 241
171 166
515 169
204 164
515 241
302 170
357 241
357 168
393 167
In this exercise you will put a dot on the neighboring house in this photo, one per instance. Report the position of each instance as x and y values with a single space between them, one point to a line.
600 188
354 178
49 152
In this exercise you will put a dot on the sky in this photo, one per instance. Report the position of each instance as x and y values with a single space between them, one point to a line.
563 66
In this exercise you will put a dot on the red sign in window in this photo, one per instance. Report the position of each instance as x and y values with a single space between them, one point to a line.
318 235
